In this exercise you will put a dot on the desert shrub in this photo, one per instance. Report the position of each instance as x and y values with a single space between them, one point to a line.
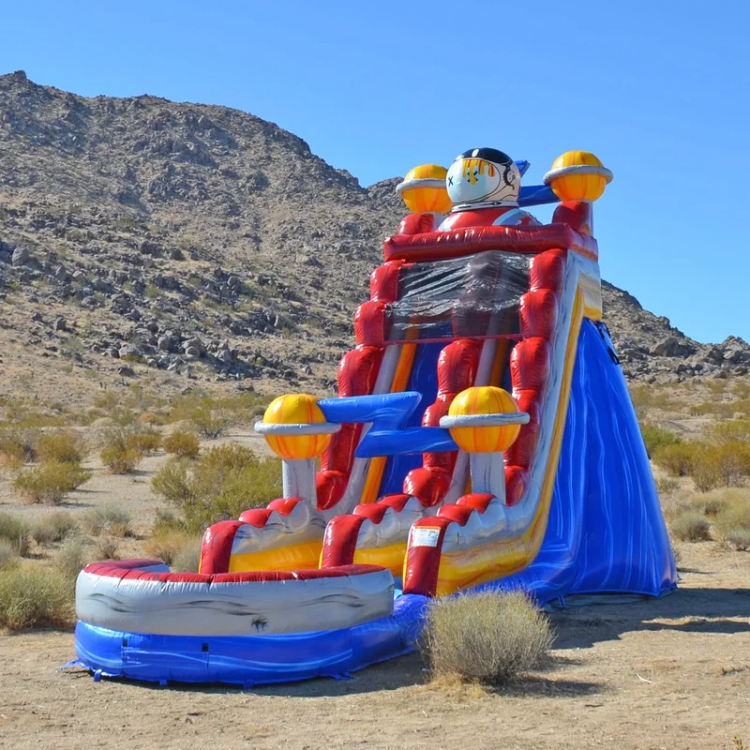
739 539
108 519
724 464
172 546
165 521
15 532
655 437
666 485
72 557
210 421
182 444
165 545
690 526
732 517
54 527
708 505
677 459
188 558
730 430
61 446
120 461
238 408
8 554
222 483
489 637
17 443
145 441
119 454
107 548
35 597
49 483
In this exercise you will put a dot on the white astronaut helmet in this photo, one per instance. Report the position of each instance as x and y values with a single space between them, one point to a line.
483 176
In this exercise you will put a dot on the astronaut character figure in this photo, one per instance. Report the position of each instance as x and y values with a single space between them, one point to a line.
484 185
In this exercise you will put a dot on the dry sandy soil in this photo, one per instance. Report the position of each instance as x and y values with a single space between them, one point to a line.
671 673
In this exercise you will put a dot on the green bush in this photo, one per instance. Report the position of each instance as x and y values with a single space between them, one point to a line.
108 519
49 482
35 597
60 446
182 444
15 531
690 526
488 638
219 485
655 437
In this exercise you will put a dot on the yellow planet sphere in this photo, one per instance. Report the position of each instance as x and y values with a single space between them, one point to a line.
296 409
424 189
578 176
484 399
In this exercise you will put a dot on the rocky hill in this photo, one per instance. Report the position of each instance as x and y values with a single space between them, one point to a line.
148 241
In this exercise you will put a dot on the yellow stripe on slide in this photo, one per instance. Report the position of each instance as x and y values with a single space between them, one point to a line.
390 557
294 557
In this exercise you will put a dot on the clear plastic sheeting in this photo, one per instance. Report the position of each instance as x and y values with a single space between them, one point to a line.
473 297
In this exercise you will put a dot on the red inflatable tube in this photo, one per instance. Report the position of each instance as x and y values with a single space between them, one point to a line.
518 239
126 569
357 374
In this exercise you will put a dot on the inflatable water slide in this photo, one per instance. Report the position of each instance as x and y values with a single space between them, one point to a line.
482 438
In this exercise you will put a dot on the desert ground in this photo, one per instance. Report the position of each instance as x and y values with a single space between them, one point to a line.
669 673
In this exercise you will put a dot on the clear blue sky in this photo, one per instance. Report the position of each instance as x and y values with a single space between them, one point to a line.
660 91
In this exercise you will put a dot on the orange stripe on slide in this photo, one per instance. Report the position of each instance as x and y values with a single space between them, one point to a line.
377 465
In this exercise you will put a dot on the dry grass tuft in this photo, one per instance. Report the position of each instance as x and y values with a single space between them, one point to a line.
168 545
17 443
690 526
15 532
8 555
72 557
107 548
108 519
35 597
54 527
488 638
49 483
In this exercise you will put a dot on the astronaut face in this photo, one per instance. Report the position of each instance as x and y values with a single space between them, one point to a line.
473 179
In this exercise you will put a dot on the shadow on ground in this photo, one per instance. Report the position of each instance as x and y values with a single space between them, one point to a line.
704 610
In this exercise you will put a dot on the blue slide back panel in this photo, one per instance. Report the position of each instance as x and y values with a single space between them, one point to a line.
423 379
606 532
